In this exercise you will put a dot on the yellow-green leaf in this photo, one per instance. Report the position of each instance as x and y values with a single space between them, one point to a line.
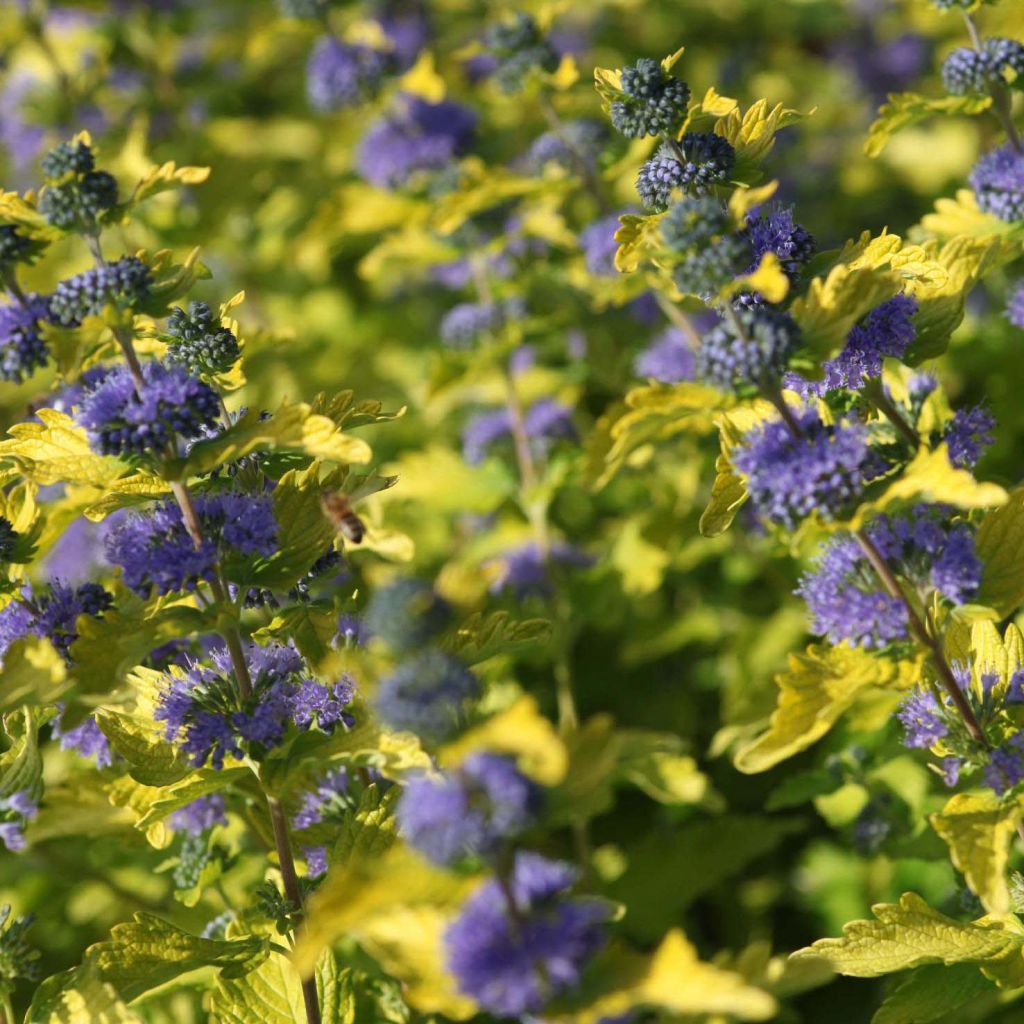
1000 546
906 108
56 450
978 829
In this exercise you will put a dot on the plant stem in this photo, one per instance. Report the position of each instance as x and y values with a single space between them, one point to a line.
924 636
884 404
579 158
283 843
676 317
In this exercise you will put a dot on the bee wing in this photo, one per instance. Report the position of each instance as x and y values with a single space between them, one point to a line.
371 485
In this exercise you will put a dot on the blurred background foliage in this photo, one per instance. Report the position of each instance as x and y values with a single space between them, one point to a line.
669 631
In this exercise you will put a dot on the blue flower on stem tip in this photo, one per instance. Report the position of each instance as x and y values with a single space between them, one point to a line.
922 719
22 348
998 183
469 811
968 434
51 612
122 284
155 552
514 960
86 739
749 349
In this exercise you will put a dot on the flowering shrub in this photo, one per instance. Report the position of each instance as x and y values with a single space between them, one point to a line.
512 715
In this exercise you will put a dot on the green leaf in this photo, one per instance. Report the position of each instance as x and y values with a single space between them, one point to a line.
371 830
906 108
151 759
79 996
978 830
272 994
654 763
1000 546
311 627
728 493
752 134
291 428
439 478
911 934
483 635
167 799
816 688
930 993
798 789
21 767
962 217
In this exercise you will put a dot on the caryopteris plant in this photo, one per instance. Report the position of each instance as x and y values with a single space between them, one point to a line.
285 743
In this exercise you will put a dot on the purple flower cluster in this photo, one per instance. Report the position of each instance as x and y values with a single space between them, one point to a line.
406 614
707 160
52 613
998 183
525 570
845 598
888 330
777 232
122 284
968 70
206 716
1005 768
546 420
749 349
577 141
512 961
22 348
470 322
155 551
341 75
16 811
597 240
331 800
201 815
87 740
469 812
922 719
1015 307
121 421
968 434
823 470
669 358
414 136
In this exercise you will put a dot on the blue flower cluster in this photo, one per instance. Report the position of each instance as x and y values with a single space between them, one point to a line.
749 349
76 194
525 571
846 599
87 740
468 323
653 101
123 285
669 358
201 815
340 75
51 612
968 70
469 812
155 551
545 421
518 47
414 136
23 349
16 810
205 715
822 470
330 801
199 342
406 614
998 183
513 959
698 162
121 420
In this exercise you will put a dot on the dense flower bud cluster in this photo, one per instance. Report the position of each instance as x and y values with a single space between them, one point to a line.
428 694
341 75
14 246
199 342
122 284
22 347
654 101
968 434
968 70
76 194
406 614
998 183
75 157
777 232
703 160
577 140
518 46
750 348
121 421
512 960
155 551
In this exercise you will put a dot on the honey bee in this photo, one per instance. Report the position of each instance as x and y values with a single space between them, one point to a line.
337 508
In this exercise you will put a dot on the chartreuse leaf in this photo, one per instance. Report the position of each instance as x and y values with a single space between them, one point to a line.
140 741
21 767
272 994
729 491
363 889
639 240
768 280
438 478
752 134
371 830
158 179
906 108
930 476
658 413
311 627
911 934
142 955
673 980
408 943
978 829
521 731
33 673
816 688
56 450
292 427
127 491
962 217
930 993
79 996
999 543
655 764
